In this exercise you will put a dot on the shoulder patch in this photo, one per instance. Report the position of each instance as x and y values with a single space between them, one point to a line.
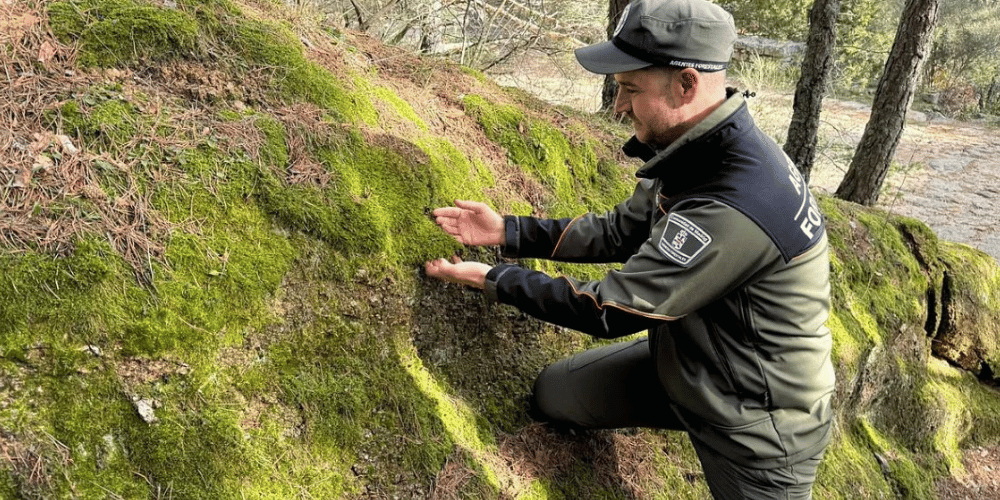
682 240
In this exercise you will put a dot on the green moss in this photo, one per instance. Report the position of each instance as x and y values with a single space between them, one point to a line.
850 470
376 205
847 349
578 179
402 108
453 175
215 281
122 32
67 403
975 304
90 298
875 271
100 117
51 299
459 420
275 48
972 409
909 478
955 422
364 403
274 152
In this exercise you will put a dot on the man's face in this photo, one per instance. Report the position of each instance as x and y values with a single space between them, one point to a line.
649 97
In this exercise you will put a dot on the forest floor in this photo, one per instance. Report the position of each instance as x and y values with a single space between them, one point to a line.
946 173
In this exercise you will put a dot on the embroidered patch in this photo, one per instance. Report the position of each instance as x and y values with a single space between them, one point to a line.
682 240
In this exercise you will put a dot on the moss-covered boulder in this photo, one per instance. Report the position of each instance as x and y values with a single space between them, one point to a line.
212 224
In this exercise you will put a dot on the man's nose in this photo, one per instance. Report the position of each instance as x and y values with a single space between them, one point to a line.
622 103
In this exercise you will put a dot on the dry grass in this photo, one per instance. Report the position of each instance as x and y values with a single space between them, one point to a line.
49 190
33 458
54 190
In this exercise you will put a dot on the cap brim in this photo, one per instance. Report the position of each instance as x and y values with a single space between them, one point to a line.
606 59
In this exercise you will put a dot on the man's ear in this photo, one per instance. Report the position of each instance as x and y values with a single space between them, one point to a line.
689 80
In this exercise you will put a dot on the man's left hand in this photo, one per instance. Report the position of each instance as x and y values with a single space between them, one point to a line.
456 271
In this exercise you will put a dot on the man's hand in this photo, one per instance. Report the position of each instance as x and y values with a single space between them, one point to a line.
464 273
471 223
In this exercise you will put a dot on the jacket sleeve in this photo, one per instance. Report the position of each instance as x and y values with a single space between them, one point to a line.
694 255
610 237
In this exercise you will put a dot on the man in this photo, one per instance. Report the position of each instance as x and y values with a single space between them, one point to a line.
724 258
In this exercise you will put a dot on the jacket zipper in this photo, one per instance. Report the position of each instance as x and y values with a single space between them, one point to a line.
751 341
727 367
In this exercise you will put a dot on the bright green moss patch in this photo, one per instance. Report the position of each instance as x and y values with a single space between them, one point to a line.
275 48
194 453
215 282
112 33
875 271
970 329
453 175
121 32
377 204
955 422
53 299
847 350
100 117
578 179
195 449
909 478
348 375
850 470
402 108
65 404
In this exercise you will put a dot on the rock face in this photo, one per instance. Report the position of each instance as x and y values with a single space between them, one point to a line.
968 332
746 47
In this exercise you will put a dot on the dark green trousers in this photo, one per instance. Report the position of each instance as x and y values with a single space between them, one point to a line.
616 386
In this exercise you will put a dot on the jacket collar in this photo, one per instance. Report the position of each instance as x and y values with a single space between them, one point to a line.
701 132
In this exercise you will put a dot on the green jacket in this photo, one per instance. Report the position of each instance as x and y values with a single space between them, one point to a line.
725 261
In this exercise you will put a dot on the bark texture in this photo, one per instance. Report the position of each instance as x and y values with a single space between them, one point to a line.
615 8
863 182
800 144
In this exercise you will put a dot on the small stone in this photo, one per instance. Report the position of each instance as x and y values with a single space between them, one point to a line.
67 144
145 409
361 275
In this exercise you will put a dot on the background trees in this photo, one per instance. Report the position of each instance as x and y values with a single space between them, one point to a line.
960 75
851 48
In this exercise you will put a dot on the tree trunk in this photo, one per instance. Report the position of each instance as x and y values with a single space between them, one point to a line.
615 8
816 66
893 96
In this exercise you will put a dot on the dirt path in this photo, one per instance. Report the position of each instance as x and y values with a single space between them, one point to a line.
949 175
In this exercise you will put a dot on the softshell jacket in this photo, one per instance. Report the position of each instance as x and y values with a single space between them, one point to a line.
725 262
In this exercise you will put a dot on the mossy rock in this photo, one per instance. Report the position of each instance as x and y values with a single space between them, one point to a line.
969 331
117 33
286 340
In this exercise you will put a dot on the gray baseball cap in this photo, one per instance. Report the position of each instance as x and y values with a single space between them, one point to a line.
679 33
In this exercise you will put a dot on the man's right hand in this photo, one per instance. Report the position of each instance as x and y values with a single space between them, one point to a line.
471 223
